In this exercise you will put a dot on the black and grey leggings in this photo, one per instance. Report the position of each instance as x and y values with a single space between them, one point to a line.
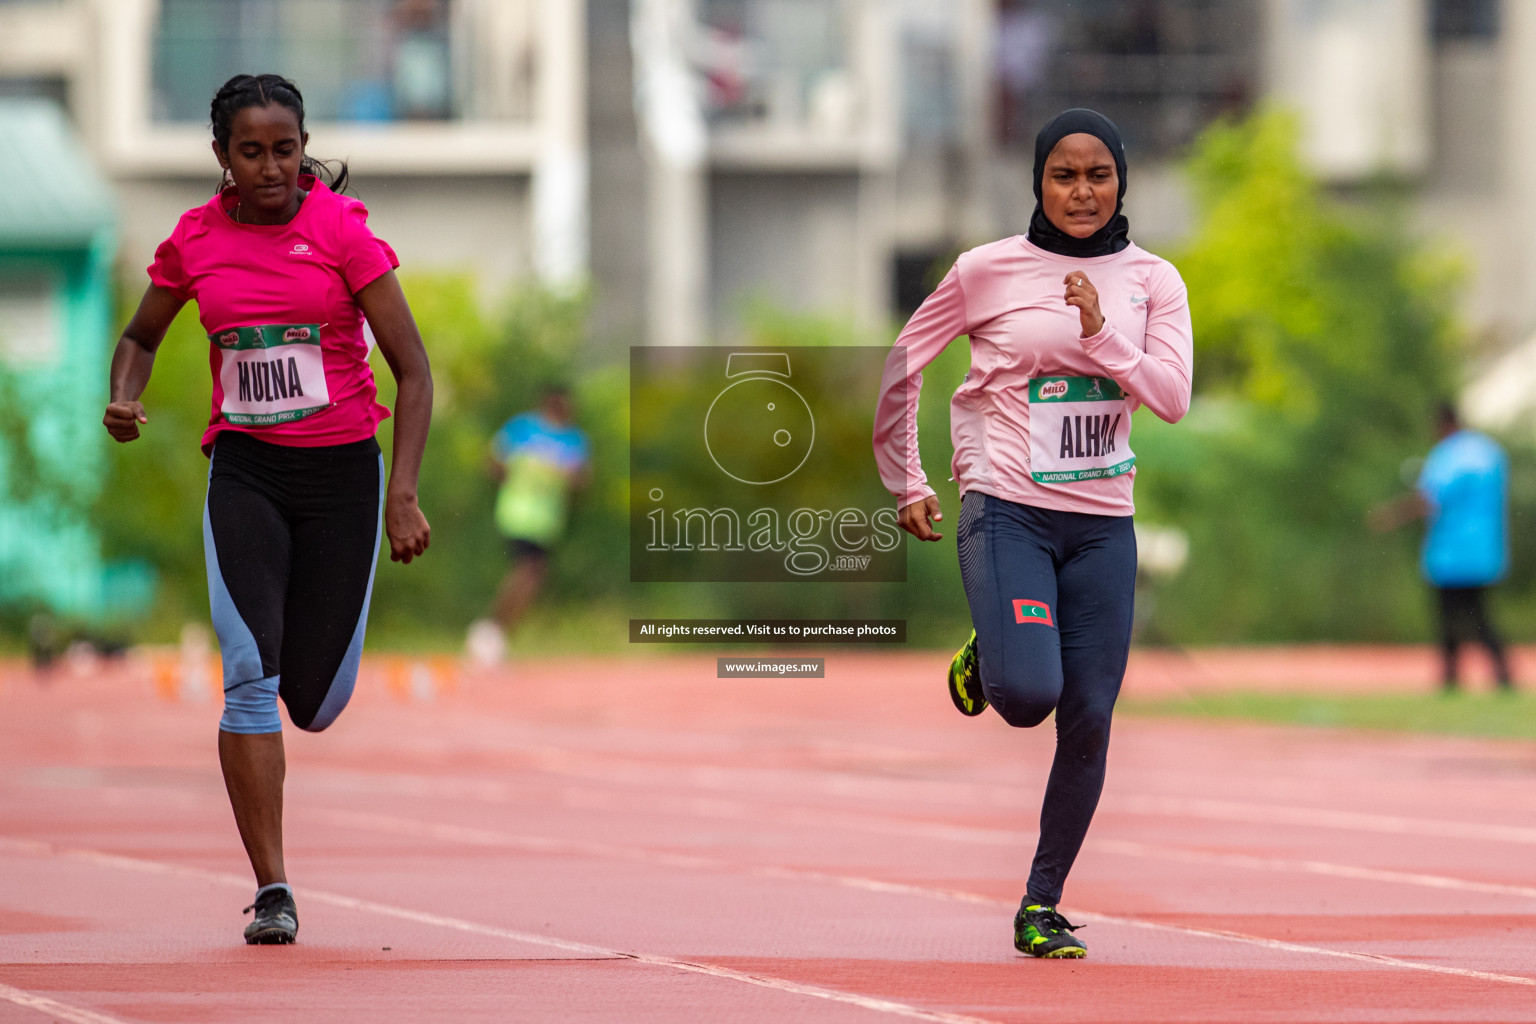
290 536
1051 598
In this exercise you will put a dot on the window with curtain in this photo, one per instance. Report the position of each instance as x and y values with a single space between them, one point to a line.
1467 19
354 60
1161 69
783 62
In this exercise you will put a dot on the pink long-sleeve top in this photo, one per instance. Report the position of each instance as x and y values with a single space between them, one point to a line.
1043 416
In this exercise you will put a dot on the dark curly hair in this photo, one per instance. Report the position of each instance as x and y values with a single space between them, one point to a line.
244 91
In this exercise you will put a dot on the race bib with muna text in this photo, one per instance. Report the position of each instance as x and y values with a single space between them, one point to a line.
271 373
1079 429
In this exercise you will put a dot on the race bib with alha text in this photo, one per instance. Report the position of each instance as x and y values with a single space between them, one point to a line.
271 373
1079 429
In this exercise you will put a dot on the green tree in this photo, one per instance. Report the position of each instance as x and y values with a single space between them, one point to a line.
1323 340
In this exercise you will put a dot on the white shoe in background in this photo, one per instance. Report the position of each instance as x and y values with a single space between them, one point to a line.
485 644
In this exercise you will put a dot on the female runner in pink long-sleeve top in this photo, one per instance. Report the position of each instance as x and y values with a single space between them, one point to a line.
1072 328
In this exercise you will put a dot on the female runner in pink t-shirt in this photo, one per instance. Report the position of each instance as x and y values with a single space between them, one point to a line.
284 271
1071 327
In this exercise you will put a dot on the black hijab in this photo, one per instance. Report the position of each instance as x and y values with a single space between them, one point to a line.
1110 238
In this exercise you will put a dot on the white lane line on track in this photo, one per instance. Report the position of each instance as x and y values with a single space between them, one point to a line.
738 811
781 984
543 844
1296 947
835 783
1312 867
54 1008
742 810
547 844
457 924
606 772
489 837
1353 821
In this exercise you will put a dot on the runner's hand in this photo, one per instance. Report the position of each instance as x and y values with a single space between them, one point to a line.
916 517
1082 294
122 420
408 530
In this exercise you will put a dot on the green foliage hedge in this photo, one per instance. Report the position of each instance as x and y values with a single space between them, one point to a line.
1323 343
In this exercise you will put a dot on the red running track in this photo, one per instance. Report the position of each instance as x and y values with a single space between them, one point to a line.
640 841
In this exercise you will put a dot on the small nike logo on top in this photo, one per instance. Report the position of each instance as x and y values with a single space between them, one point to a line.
299 250
1135 299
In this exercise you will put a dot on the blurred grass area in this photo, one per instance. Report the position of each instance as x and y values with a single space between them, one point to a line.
548 631
602 630
1503 715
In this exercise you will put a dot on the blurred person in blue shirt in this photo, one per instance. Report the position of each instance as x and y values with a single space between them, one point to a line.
1462 491
540 458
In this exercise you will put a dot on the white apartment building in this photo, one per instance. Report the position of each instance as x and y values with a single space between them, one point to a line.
690 158
463 121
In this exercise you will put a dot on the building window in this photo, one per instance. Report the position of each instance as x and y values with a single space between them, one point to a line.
930 109
1160 69
783 62
355 60
48 87
1466 19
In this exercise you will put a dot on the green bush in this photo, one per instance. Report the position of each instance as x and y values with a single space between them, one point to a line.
1322 344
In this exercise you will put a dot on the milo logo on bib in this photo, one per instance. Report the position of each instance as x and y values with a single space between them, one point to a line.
1079 429
271 373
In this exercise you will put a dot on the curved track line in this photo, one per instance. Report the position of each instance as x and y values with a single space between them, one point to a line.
457 924
54 1008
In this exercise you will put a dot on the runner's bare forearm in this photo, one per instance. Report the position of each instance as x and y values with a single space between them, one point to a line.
134 358
394 328
132 364
413 417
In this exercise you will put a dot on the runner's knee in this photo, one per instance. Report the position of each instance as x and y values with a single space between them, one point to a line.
313 715
250 707
315 703
1023 698
1025 713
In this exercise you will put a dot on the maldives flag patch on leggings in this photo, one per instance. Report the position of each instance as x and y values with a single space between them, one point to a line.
1032 611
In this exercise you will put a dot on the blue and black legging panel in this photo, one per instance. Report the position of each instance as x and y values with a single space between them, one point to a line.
291 538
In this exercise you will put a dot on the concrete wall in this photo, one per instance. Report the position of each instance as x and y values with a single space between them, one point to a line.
791 239
619 239
474 224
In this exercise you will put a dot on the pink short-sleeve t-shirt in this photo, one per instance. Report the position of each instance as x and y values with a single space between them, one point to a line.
278 303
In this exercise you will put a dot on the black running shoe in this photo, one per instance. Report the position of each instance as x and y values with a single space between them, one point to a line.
276 922
1040 931
965 679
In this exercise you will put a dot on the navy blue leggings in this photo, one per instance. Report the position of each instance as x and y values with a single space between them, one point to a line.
1051 597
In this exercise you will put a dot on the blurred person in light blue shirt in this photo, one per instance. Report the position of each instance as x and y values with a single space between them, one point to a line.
1462 491
540 458
1464 484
